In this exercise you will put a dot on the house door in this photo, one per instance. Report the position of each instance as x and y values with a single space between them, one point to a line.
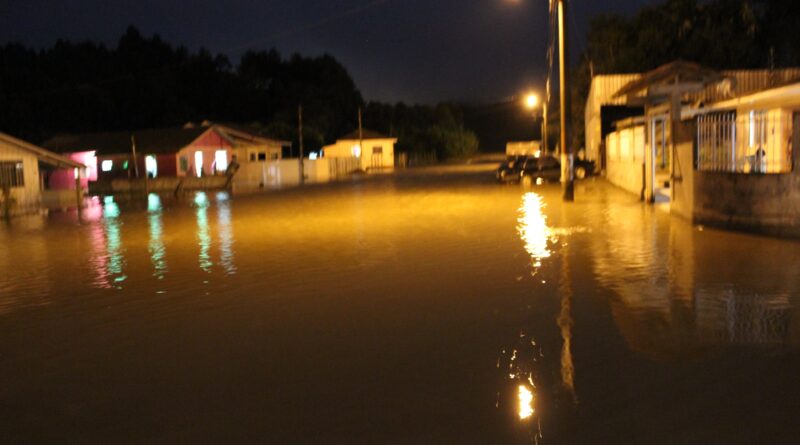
660 138
377 157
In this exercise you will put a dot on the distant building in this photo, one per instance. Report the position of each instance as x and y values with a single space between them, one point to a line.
524 148
375 151
190 150
24 168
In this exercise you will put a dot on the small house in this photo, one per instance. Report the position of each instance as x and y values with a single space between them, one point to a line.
374 150
24 168
191 150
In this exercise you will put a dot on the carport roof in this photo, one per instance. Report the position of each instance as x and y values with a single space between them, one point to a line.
45 156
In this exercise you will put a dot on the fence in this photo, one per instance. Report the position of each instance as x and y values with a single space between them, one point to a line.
759 141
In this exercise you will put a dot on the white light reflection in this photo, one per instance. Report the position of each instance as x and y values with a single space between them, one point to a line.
156 245
203 231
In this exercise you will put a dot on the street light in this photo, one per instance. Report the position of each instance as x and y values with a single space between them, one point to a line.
531 101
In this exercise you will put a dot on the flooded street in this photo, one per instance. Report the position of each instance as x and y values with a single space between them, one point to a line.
430 306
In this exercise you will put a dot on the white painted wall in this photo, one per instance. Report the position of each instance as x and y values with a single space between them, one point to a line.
350 148
625 158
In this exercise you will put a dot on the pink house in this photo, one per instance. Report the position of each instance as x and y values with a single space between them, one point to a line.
185 151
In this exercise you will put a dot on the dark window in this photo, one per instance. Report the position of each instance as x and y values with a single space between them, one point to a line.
377 150
12 174
253 156
184 164
274 156
262 156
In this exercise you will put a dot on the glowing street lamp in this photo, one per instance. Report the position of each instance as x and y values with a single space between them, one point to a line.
531 101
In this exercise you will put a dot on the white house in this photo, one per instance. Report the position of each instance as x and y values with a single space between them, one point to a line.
375 151
21 182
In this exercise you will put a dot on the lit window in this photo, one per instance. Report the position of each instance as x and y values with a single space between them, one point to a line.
312 156
106 165
151 166
221 160
198 163
125 165
357 151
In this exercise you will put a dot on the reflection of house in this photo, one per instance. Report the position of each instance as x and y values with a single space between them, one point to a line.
187 151
373 149
23 167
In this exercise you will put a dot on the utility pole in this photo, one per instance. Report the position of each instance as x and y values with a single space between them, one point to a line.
567 153
360 134
300 139
544 125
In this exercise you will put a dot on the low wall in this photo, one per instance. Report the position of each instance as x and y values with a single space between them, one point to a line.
626 175
768 204
163 184
60 199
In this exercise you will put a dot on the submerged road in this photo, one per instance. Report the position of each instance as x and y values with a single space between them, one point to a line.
428 306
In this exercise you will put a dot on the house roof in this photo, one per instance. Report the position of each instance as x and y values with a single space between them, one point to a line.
677 71
367 134
45 156
154 141
164 140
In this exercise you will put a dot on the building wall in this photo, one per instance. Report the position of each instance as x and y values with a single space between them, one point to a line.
625 154
27 198
767 204
348 148
602 93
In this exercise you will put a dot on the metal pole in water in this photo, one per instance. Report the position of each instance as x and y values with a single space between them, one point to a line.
567 152
300 136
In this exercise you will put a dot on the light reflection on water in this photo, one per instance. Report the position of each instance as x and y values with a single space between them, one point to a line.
114 261
203 232
418 286
156 245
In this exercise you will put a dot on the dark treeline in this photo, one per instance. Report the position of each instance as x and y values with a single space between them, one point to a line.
721 34
144 82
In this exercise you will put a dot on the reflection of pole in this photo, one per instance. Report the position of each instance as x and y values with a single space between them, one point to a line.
565 323
300 137
566 114
135 163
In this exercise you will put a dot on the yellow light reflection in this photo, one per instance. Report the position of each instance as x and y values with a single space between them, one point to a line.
526 399
533 228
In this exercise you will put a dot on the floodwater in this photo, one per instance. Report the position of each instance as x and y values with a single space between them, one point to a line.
427 307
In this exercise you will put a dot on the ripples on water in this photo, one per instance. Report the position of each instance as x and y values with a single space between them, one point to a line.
368 311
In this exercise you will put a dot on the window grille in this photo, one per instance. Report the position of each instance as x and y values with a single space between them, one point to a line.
758 142
12 174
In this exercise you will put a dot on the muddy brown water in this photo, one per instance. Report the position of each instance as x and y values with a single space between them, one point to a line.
425 307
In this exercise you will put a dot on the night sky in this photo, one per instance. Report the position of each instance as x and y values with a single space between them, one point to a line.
410 50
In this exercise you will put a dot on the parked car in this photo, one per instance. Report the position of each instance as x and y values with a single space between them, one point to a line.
509 171
548 168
